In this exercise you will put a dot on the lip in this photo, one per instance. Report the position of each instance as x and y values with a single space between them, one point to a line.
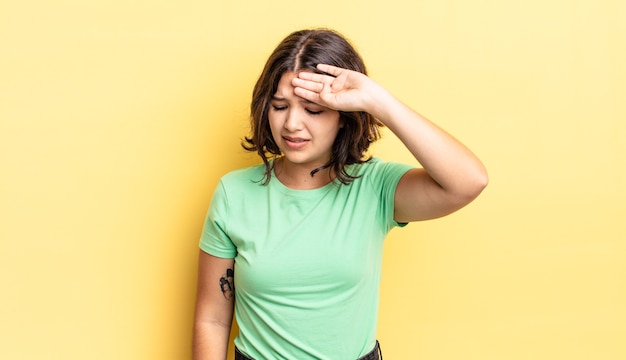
295 142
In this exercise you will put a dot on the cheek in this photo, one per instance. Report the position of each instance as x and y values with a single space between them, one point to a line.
272 122
329 130
273 130
335 123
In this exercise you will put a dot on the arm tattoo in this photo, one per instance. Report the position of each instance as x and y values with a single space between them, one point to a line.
227 284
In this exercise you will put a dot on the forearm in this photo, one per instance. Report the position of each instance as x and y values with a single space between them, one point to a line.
210 340
214 307
452 165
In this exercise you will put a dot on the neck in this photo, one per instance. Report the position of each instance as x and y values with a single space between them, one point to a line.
299 177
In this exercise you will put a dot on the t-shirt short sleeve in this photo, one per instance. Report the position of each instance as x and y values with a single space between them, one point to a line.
385 177
214 239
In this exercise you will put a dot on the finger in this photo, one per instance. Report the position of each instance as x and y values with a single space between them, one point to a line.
329 69
314 86
321 78
309 95
339 83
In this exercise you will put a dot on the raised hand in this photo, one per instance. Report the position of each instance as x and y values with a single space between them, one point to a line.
341 89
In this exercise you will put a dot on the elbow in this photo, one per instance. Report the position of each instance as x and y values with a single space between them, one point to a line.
470 184
482 180
476 184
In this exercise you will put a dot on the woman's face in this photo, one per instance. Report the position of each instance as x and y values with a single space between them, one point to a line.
303 131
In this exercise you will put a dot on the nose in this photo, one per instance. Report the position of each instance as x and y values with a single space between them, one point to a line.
293 121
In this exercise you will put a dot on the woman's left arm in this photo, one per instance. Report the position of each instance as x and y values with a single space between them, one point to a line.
451 177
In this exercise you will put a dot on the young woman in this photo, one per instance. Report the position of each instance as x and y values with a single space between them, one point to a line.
294 245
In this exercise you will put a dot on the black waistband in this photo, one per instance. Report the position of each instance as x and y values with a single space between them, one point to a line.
375 354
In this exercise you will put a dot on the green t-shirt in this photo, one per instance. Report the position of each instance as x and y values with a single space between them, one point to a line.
307 262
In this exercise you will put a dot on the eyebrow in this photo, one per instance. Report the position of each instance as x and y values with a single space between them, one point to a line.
277 98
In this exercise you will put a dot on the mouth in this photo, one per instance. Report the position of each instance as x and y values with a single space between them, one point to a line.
295 142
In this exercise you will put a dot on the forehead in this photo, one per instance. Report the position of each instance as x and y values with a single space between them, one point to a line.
284 87
284 83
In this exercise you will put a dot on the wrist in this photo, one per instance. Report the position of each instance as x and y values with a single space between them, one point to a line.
380 102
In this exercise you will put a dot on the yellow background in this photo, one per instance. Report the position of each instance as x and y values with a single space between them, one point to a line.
117 119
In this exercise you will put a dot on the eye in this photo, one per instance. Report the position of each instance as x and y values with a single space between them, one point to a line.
279 107
313 112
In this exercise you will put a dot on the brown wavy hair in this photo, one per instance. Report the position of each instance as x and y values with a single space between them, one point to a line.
304 50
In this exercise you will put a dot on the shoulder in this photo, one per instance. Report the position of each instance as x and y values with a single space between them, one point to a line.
244 176
376 168
240 183
237 186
